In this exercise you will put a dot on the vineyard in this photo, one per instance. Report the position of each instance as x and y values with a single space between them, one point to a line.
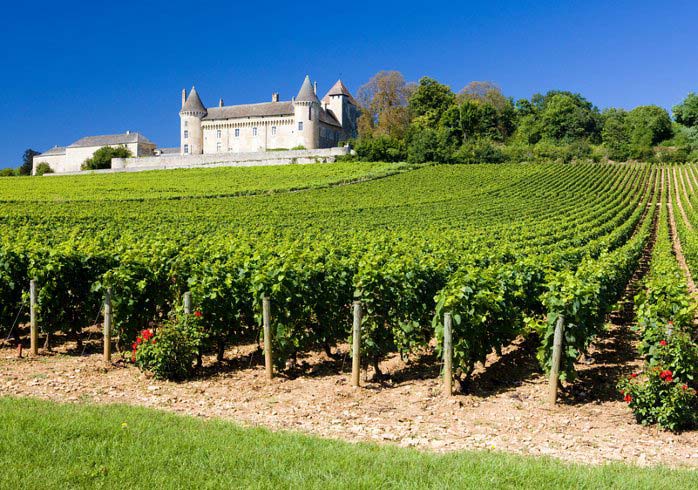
506 250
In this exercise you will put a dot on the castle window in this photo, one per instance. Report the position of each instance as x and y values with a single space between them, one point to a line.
218 134
300 125
254 131
186 123
237 132
186 149
273 130
186 134
310 113
218 147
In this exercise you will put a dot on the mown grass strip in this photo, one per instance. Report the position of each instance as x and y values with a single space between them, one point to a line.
49 445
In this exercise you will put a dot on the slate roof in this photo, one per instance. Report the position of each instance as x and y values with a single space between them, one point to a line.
339 89
307 92
56 150
111 139
328 117
168 151
250 110
193 103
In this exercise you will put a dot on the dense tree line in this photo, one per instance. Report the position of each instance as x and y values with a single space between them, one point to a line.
428 122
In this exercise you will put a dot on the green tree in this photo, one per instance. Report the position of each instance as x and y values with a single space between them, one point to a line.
430 99
647 125
102 157
28 162
429 145
615 134
565 117
686 112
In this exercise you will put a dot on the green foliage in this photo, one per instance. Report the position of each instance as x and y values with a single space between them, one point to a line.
686 113
380 149
430 99
565 118
13 281
429 145
8 172
393 243
647 126
43 168
487 307
102 157
65 298
479 151
615 134
170 353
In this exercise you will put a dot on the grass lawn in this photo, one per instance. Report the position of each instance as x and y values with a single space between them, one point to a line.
49 445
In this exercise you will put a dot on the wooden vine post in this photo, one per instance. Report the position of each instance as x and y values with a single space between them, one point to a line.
187 303
266 318
356 345
448 355
107 326
557 355
33 327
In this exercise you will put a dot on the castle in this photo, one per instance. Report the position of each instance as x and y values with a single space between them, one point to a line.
303 122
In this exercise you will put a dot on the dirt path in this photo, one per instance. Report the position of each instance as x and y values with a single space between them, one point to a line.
689 182
506 411
684 187
676 242
675 186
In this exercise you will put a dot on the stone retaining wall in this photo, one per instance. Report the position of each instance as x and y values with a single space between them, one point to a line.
324 155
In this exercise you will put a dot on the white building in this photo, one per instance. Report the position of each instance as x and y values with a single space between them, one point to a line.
304 121
70 158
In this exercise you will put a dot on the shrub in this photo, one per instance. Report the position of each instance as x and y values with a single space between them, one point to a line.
658 396
299 147
479 151
172 351
380 149
43 168
8 172
102 157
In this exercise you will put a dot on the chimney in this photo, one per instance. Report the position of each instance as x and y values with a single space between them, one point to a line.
184 96
275 97
315 87
220 102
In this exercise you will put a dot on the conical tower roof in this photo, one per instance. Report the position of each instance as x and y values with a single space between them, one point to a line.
307 93
193 104
339 89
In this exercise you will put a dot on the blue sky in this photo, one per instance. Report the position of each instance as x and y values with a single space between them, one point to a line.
83 68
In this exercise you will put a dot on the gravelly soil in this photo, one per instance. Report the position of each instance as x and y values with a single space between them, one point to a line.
505 409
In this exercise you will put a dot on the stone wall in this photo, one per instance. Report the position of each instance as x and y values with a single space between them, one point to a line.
324 155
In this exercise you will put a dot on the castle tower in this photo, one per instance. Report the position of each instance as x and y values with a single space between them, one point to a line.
307 115
191 133
345 108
